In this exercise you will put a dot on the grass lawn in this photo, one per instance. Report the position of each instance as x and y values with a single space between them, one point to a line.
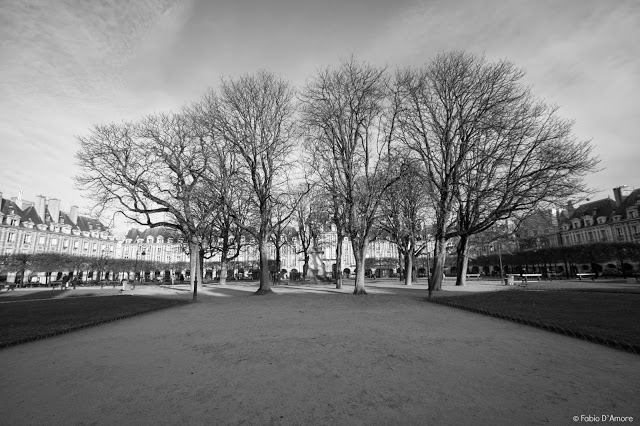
607 315
30 320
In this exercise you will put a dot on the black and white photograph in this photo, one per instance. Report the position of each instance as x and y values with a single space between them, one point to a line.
319 212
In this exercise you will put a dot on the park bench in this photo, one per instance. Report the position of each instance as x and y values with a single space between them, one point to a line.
525 277
585 275
473 276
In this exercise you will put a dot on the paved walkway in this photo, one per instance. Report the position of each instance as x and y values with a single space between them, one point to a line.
314 355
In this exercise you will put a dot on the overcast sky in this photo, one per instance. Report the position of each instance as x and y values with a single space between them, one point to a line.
65 65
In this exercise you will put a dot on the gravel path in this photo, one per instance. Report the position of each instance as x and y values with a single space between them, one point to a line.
314 355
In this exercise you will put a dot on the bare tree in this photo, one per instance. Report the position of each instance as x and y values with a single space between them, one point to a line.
488 148
282 232
403 217
310 216
348 114
151 173
254 115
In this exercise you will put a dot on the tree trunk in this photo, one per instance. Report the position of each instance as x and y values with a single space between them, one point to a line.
360 253
223 269
401 264
194 258
201 266
414 262
439 258
278 265
265 283
463 260
408 266
339 262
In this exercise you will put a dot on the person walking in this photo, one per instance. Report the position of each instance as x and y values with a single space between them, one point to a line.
65 280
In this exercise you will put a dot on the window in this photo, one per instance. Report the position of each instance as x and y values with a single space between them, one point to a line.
76 244
65 243
633 214
54 241
12 237
27 239
95 246
620 232
41 240
85 245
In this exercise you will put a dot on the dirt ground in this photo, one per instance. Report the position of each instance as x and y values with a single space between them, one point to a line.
312 355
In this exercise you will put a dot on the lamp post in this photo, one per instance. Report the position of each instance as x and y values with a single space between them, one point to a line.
135 268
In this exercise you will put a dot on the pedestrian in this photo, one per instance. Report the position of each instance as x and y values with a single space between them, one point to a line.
74 282
65 280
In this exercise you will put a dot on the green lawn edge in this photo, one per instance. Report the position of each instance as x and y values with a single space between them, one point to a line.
624 346
40 336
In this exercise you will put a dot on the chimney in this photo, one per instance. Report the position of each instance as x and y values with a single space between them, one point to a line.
54 209
617 193
40 205
0 200
570 208
73 214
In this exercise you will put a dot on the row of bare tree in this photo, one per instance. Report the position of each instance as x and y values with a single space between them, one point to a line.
452 147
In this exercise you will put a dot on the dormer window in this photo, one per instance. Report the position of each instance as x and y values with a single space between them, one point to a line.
617 218
149 240
576 224
632 214
170 240
160 240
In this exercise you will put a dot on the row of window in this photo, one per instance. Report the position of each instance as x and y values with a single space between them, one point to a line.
27 239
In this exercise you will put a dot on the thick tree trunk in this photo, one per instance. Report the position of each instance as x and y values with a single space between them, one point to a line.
408 266
401 264
196 274
265 283
360 253
339 262
224 266
463 260
278 263
439 258
414 270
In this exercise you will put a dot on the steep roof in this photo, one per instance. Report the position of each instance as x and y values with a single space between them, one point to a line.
30 214
604 207
629 200
88 224
133 233
10 205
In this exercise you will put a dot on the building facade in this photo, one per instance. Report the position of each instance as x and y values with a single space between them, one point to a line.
165 246
40 226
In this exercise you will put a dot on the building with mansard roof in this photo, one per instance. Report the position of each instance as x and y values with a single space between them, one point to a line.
40 226
163 245
605 220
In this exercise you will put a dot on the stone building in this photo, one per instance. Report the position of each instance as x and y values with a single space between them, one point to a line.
165 246
605 220
40 226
